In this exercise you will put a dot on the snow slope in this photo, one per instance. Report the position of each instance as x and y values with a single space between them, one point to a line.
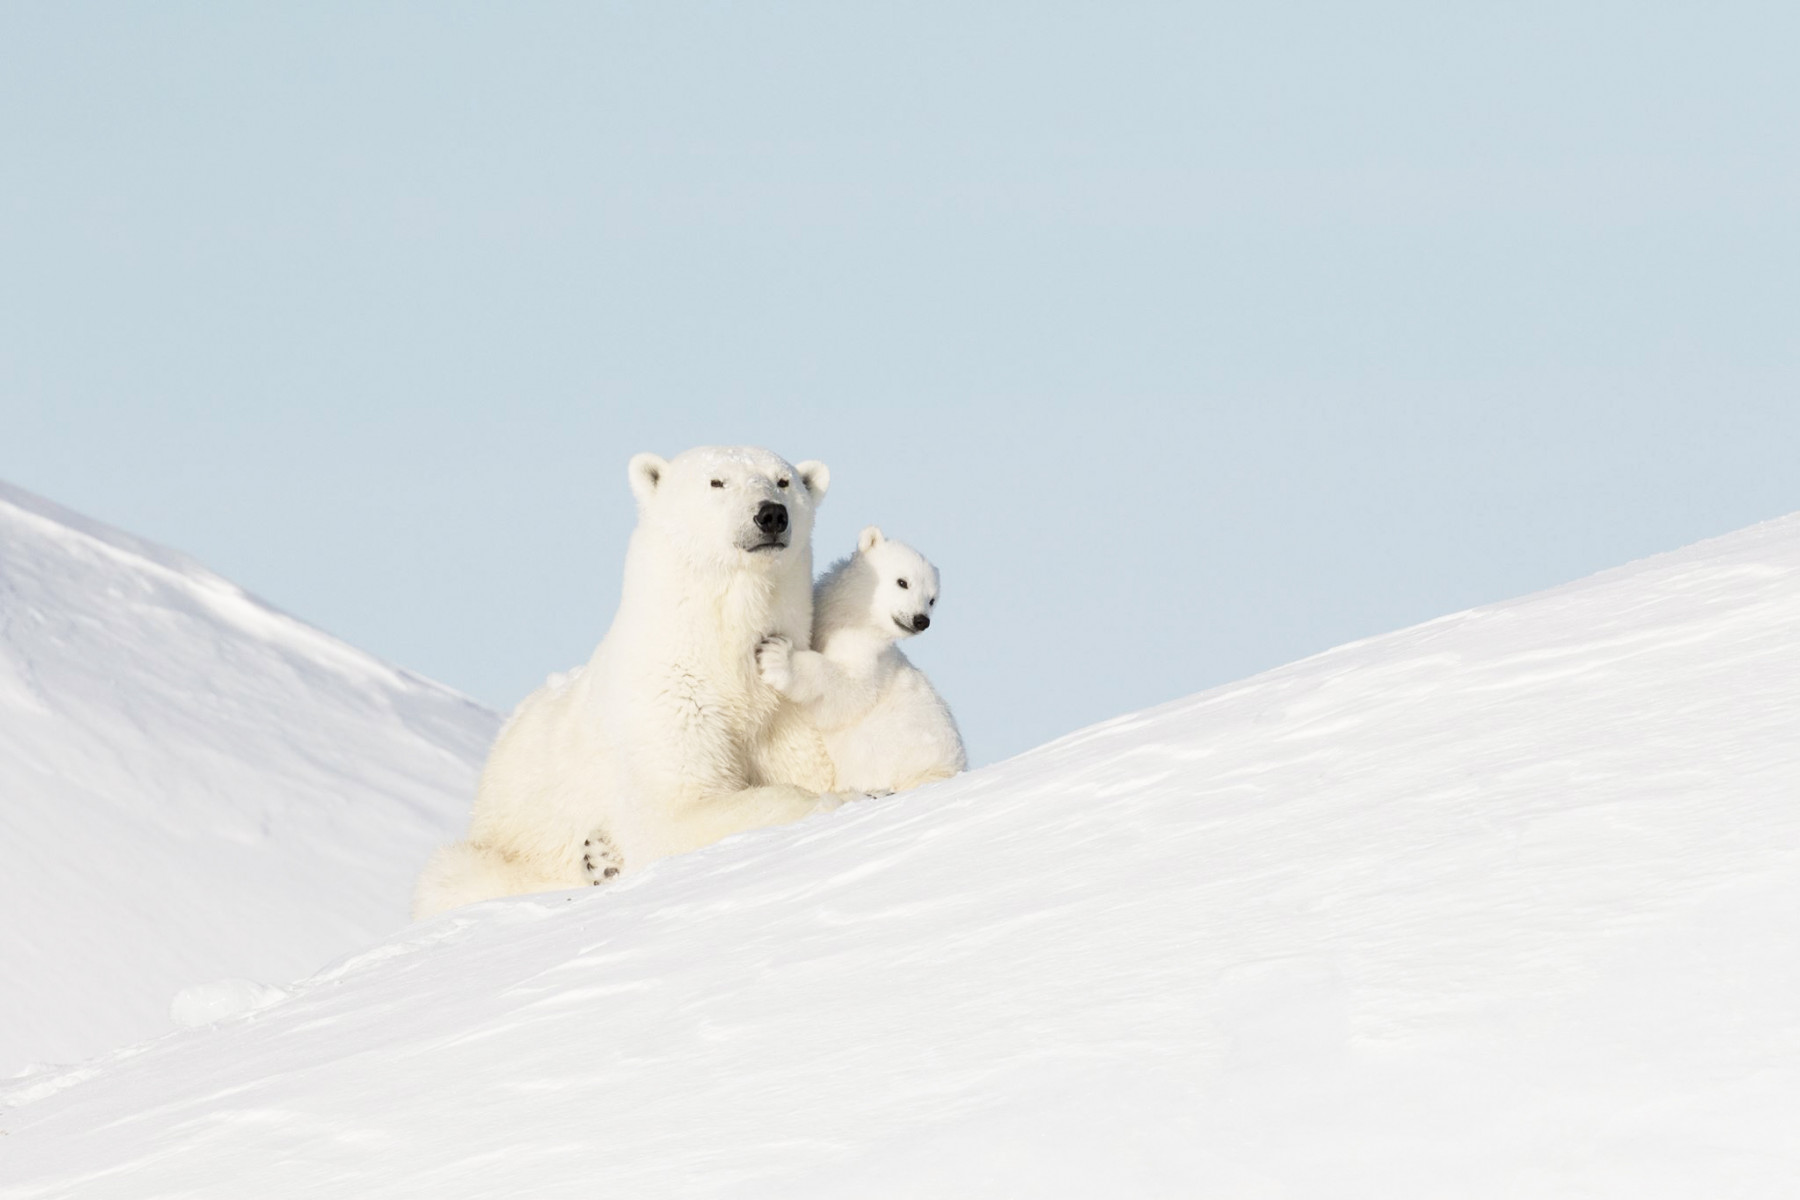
192 785
1504 905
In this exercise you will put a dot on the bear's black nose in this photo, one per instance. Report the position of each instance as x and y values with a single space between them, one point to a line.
771 517
921 622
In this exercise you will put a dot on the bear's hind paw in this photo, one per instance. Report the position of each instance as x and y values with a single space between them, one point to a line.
601 859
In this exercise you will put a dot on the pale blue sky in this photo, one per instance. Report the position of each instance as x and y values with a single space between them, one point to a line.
1187 340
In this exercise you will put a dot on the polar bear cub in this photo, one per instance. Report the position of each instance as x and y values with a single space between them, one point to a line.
884 725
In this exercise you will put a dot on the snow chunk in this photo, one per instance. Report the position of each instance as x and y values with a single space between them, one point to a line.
207 1003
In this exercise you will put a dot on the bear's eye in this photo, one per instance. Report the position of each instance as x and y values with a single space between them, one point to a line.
902 583
781 483
931 603
718 483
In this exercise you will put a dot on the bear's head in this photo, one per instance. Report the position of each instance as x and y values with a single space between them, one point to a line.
730 506
886 588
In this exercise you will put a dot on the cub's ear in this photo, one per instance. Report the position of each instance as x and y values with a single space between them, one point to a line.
816 476
645 472
868 539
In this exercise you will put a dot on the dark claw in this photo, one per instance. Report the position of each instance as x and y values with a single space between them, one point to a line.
611 871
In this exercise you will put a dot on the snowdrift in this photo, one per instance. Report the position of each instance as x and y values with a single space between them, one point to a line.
192 785
1504 905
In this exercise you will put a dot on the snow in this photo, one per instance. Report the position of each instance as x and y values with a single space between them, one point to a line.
192 785
1506 904
207 1003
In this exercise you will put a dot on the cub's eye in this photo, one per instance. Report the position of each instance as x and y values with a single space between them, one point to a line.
902 583
718 483
931 603
781 483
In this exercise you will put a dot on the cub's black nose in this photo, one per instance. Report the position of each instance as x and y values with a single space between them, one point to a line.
921 622
771 517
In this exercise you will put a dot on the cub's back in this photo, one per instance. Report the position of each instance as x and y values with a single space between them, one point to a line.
908 738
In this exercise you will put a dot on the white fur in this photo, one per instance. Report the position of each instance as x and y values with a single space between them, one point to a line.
668 739
885 726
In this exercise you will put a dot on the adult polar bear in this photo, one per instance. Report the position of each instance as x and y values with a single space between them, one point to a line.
668 739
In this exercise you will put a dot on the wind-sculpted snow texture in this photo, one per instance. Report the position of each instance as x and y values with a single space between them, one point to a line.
192 785
1504 905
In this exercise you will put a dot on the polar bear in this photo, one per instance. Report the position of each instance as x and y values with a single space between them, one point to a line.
667 739
885 726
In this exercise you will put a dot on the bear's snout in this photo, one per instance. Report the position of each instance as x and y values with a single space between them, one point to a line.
921 622
771 518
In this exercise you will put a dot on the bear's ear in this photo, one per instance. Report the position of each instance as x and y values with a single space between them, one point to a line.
868 539
645 472
815 475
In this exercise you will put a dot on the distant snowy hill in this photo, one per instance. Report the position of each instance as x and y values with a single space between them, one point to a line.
192 786
1504 905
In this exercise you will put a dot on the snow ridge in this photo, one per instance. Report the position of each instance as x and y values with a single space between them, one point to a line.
195 785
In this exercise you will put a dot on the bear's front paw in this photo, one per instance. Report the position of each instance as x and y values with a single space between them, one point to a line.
601 859
775 662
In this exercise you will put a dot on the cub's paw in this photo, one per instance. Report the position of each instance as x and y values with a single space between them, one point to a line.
775 662
601 859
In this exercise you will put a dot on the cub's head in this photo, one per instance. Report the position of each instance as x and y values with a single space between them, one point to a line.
736 506
893 585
